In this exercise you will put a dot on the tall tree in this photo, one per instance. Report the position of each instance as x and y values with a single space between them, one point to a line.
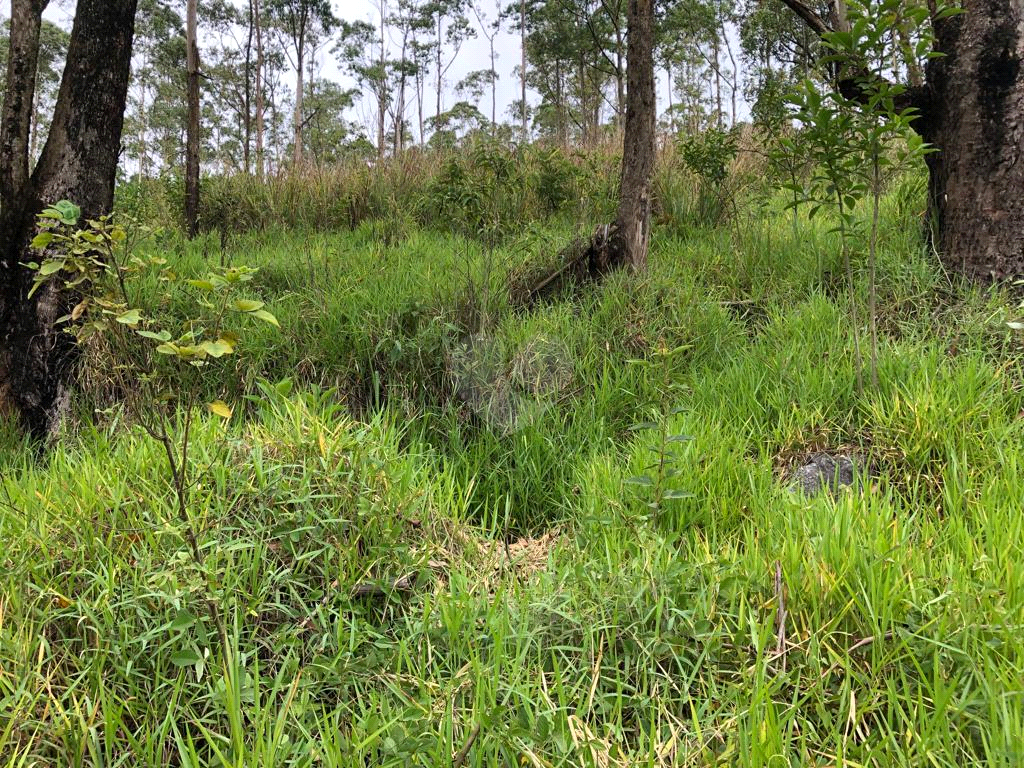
79 163
301 20
156 96
491 30
525 128
407 22
362 53
256 23
192 129
971 107
623 243
450 26
633 219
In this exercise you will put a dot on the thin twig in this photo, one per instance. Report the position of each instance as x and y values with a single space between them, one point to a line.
463 753
403 584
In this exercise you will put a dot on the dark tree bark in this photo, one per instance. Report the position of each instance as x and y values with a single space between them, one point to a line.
78 163
973 112
633 220
16 119
192 128
971 109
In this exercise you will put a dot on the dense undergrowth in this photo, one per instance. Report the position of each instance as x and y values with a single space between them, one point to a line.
407 429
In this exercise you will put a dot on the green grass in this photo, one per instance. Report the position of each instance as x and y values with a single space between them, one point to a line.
554 617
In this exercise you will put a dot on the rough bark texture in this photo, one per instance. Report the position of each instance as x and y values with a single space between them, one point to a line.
192 129
78 163
633 220
971 109
974 115
16 119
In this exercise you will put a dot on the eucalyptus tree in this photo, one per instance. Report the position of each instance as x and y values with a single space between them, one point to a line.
490 28
329 134
156 89
407 24
362 53
450 28
301 21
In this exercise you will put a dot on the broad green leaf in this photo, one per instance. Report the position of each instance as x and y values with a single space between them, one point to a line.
131 317
262 314
184 658
42 240
161 336
217 348
670 494
51 266
183 620
644 425
220 408
640 480
67 212
247 305
203 285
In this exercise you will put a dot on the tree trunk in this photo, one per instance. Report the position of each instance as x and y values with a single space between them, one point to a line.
717 84
16 118
633 221
297 137
494 89
620 80
671 110
382 93
192 129
78 163
247 99
522 22
625 242
260 163
973 113
440 72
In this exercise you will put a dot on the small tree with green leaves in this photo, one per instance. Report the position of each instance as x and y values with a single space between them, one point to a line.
856 137
657 480
159 366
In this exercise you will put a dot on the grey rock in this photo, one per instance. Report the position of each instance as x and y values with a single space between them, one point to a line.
824 472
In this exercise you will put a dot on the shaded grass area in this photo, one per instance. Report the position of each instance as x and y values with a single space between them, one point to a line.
548 614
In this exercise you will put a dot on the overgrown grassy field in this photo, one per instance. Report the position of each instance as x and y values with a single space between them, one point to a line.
429 530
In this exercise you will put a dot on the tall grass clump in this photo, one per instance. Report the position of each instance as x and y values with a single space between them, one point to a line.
484 190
